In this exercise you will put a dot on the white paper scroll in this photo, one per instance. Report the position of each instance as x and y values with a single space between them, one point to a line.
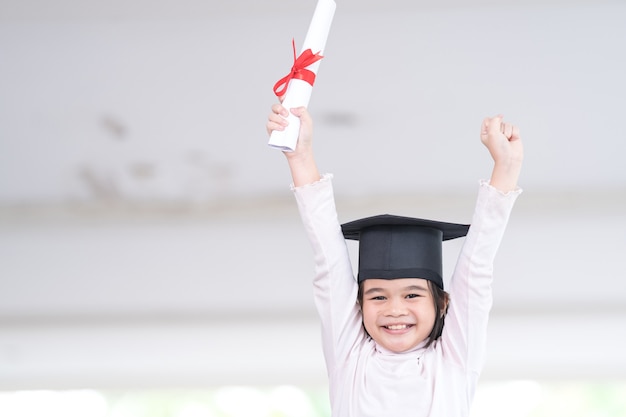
299 91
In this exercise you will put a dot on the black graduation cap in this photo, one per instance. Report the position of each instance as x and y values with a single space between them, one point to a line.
392 247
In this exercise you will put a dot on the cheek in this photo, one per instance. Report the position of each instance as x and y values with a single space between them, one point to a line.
427 313
433 316
369 317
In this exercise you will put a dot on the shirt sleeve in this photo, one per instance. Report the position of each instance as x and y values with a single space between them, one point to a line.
335 288
464 334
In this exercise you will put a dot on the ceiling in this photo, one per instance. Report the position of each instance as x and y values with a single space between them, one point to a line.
14 10
147 107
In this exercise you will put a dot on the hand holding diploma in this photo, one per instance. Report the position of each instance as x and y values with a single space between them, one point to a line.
298 84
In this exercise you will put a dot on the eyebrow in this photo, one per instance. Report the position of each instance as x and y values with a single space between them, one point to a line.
415 288
409 288
373 290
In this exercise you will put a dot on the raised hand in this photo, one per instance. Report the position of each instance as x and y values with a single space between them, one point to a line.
504 143
301 160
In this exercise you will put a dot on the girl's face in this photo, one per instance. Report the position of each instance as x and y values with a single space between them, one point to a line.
399 313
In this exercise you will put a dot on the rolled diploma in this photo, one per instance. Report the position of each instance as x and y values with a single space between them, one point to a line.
299 91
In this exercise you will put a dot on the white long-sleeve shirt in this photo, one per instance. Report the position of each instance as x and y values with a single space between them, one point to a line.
367 380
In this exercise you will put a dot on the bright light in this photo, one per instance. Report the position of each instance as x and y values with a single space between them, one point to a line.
83 403
242 402
513 399
291 401
493 399
195 410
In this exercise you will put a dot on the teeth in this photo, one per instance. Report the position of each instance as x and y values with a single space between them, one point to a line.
397 327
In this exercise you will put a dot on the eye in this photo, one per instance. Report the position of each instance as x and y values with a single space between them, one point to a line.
378 298
413 296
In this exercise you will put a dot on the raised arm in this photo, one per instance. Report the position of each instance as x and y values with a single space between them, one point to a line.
301 161
464 333
335 288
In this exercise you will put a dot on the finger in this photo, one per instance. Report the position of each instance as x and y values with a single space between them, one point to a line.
271 125
301 112
484 126
494 126
279 109
298 111
515 135
508 130
278 118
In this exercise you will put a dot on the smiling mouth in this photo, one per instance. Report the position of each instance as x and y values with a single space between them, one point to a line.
398 326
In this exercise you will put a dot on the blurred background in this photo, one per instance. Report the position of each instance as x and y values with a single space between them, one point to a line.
149 241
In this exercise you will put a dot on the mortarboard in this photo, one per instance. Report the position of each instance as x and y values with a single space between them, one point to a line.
392 247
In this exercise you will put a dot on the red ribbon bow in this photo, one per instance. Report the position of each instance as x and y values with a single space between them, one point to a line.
298 71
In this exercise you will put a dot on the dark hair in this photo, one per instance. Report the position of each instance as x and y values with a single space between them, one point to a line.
441 299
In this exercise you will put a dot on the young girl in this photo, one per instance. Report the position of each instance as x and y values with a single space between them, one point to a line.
386 348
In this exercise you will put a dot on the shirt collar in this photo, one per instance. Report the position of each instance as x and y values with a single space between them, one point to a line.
416 351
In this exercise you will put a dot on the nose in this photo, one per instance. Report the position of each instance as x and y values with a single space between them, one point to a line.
396 308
